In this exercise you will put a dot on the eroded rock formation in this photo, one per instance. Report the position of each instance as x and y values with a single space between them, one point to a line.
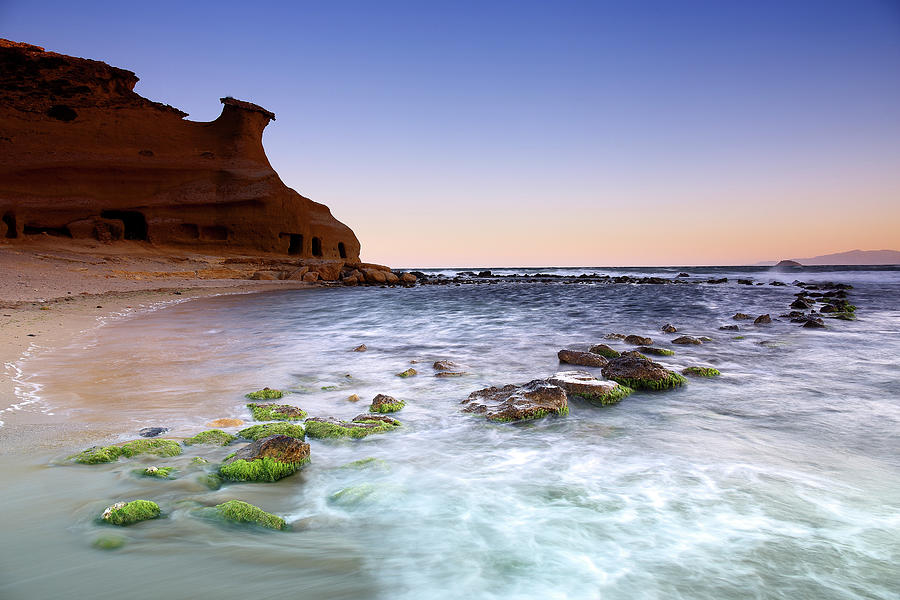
84 156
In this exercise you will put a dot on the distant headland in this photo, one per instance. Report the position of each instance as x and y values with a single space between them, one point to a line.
853 257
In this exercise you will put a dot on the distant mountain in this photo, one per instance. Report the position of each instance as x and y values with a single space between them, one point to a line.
853 257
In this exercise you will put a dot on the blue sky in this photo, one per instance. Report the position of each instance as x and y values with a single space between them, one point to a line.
542 133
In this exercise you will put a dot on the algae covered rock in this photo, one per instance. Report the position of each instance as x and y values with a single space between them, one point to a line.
641 373
265 394
359 427
410 372
213 437
604 351
701 372
382 403
257 432
583 359
276 412
268 459
237 511
582 383
157 472
655 350
109 542
107 454
126 513
533 400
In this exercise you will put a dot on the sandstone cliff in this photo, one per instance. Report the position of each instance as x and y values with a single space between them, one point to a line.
84 156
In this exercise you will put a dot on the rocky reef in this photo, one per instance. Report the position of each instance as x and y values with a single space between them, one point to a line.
85 156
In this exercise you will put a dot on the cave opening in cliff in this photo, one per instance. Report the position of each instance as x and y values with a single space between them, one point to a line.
295 246
342 249
10 220
134 221
316 247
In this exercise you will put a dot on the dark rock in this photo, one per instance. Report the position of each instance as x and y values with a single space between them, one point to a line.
682 275
762 320
814 322
669 328
637 340
729 328
827 309
741 317
485 274
801 304
641 373
654 350
149 432
584 359
532 400
722 280
686 339
745 282
615 336
788 263
778 283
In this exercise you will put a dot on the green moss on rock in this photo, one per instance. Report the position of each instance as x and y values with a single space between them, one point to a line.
276 412
262 469
614 396
213 437
107 454
656 351
670 381
352 495
408 373
258 432
701 372
265 394
199 460
211 480
127 513
158 472
322 429
604 351
242 512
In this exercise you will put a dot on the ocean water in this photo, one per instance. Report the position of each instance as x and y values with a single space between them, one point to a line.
779 479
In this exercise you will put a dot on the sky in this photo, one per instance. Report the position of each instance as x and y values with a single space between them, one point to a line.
542 133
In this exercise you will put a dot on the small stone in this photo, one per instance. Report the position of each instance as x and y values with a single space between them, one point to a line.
360 348
762 320
741 317
353 398
225 423
149 432
669 328
729 328
408 373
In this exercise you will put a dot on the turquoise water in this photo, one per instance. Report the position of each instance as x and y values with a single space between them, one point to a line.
778 479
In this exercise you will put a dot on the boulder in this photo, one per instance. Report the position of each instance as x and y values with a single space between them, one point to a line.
655 350
532 400
582 383
375 276
268 459
408 278
762 320
266 275
297 274
311 277
382 403
802 304
391 278
814 323
637 340
584 359
741 317
641 373
686 339
445 365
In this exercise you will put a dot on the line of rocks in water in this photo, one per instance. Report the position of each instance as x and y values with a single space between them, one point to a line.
278 449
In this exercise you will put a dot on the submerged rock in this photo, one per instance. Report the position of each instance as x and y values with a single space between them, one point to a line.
213 437
276 412
107 454
267 459
157 472
445 365
637 340
533 400
729 328
686 339
258 432
265 394
359 427
450 374
814 323
382 403
742 317
668 328
149 432
216 423
655 350
762 320
701 372
641 373
615 336
604 351
242 512
584 359
127 513
585 385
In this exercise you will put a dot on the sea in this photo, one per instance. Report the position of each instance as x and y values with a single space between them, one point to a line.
780 478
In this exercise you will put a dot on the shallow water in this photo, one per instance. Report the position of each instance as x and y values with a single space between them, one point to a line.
778 479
